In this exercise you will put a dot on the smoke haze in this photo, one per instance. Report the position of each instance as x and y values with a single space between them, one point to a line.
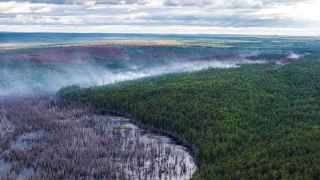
27 78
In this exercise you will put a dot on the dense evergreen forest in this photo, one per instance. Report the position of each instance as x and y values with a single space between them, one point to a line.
252 122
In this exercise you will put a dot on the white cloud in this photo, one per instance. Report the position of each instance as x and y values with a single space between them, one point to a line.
217 3
197 15
13 7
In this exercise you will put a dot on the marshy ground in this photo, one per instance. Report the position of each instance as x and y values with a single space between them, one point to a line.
43 140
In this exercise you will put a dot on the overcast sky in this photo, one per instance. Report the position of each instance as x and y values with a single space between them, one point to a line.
274 17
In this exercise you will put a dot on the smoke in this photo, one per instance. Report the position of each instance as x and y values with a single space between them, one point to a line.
30 79
294 56
174 67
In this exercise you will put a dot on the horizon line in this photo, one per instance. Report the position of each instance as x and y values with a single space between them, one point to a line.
163 34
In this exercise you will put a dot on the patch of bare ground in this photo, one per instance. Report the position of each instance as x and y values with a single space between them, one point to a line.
41 140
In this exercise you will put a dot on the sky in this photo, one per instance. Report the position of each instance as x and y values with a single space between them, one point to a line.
252 17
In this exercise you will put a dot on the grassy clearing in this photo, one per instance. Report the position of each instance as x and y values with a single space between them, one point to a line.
254 122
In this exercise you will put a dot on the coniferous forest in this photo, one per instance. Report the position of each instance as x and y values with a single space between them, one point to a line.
252 122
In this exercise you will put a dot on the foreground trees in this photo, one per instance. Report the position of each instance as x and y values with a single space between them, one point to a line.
41 140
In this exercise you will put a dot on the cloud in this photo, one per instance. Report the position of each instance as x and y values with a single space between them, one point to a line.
89 2
189 13
234 4
13 7
217 3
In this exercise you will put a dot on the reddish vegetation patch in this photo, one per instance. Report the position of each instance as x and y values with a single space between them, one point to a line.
291 58
77 54
287 61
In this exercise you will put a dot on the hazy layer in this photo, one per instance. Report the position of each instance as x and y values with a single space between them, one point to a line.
43 62
27 79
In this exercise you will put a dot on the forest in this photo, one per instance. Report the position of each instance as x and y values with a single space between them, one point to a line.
253 122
